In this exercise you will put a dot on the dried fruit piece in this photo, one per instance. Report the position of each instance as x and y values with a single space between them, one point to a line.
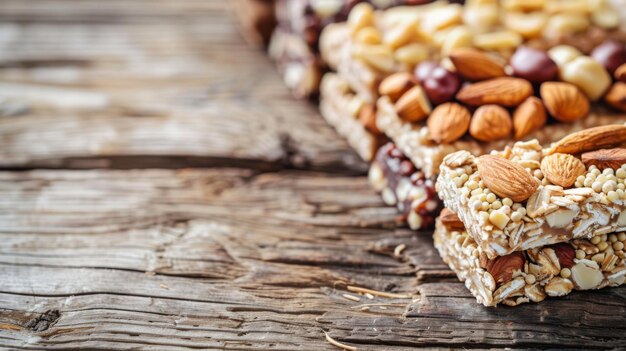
475 64
413 106
564 101
450 220
441 85
490 123
616 96
605 158
528 117
502 268
591 139
448 122
505 178
533 65
396 85
505 91
562 169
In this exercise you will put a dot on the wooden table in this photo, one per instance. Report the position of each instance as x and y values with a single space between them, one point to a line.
161 190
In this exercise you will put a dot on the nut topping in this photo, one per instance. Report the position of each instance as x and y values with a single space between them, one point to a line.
605 158
451 220
502 268
586 277
490 123
528 117
506 178
476 65
620 73
448 122
591 139
396 85
562 169
504 91
413 106
564 101
565 253
616 96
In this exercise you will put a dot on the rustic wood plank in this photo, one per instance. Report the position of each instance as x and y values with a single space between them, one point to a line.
236 259
127 84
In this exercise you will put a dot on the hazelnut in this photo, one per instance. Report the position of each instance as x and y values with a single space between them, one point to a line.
441 85
533 65
611 54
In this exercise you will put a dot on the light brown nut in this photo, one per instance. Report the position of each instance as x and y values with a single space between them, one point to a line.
565 253
616 96
361 16
413 105
450 220
605 158
379 57
411 54
490 123
564 101
368 35
506 178
591 139
529 25
448 122
395 85
474 64
502 268
528 117
558 286
367 117
562 169
399 35
502 40
504 91
560 218
566 23
586 277
562 54
620 73
587 74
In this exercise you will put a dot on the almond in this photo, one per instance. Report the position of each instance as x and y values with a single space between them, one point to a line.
502 268
620 73
505 91
490 123
562 169
396 85
505 178
565 253
413 105
616 96
605 158
448 122
474 64
367 117
528 117
450 220
591 139
564 101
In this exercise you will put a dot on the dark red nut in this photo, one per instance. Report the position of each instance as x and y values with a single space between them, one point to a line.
425 69
441 85
533 65
611 54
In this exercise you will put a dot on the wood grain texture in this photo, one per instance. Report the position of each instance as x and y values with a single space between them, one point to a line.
236 259
127 84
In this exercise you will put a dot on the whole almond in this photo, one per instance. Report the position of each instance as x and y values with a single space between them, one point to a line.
605 158
504 91
528 117
474 64
396 85
448 122
502 268
616 96
562 169
367 117
591 139
564 101
450 220
413 105
490 123
565 253
505 178
620 73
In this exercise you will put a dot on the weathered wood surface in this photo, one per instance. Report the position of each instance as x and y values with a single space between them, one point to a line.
130 83
248 258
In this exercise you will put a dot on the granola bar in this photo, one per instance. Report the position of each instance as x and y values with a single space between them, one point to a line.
534 274
526 197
